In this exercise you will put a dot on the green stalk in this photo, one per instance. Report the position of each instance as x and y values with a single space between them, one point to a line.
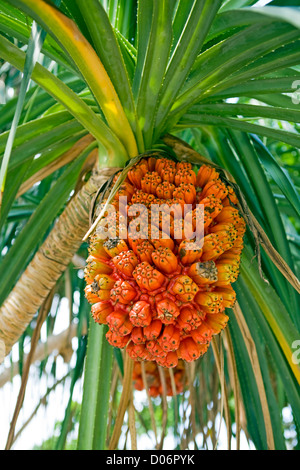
100 427
94 409
76 373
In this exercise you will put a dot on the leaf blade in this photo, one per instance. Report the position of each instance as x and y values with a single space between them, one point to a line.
73 42
158 49
38 224
183 57
107 48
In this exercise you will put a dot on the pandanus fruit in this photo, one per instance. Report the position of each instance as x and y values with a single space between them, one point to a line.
163 294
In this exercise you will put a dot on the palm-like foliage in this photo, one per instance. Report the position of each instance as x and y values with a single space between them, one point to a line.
130 77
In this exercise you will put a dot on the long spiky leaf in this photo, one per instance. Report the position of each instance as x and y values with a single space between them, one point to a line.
71 39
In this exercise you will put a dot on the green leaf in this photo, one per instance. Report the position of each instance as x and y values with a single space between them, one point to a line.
279 174
119 358
248 110
257 321
262 188
283 3
113 11
182 13
154 67
213 67
281 58
233 4
71 8
195 120
183 57
50 155
246 302
67 34
23 211
76 106
283 101
93 419
229 22
125 24
34 129
32 54
277 316
107 48
290 15
254 88
248 387
15 24
128 53
44 134
144 13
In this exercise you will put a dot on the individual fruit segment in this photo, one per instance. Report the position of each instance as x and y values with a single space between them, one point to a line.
114 246
190 351
140 314
95 266
205 174
147 277
184 288
204 273
100 311
122 292
126 262
165 190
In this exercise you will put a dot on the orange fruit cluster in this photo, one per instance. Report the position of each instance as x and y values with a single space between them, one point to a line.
163 294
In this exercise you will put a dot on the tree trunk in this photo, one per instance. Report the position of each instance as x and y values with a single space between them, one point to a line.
50 261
